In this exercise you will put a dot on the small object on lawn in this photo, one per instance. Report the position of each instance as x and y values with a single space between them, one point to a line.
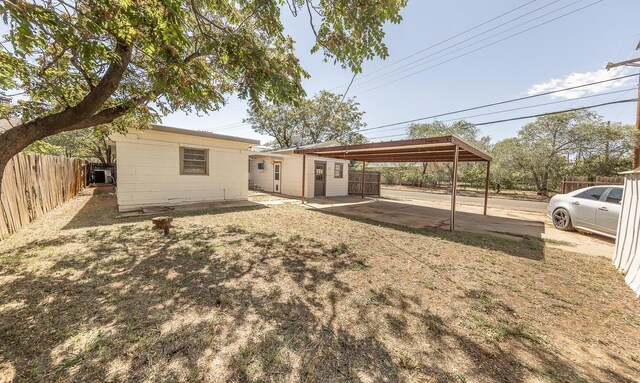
163 223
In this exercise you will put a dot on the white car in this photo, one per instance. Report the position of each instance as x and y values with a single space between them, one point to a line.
594 209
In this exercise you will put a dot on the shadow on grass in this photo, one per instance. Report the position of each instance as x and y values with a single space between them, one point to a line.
137 300
101 210
231 304
530 247
239 304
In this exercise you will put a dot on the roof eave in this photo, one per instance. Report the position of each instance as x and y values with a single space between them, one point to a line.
189 132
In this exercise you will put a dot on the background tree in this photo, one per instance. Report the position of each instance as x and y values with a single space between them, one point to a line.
544 148
86 63
607 150
325 117
89 143
435 173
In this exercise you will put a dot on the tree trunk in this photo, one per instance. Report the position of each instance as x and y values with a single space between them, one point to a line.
82 115
424 171
544 184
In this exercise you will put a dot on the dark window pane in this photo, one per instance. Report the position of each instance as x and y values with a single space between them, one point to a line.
615 195
593 193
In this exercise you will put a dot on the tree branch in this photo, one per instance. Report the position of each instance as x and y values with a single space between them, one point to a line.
313 27
85 75
110 114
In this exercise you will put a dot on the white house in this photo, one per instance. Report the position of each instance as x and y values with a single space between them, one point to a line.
280 171
170 166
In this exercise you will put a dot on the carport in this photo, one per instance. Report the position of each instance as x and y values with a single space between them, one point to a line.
432 149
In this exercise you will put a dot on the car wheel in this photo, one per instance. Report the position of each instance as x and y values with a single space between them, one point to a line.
561 219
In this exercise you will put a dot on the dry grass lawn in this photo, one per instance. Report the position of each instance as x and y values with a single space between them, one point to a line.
287 294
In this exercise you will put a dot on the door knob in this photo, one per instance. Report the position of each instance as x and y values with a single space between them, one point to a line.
603 208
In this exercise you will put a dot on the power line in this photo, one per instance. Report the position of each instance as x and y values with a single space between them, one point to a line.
500 102
535 115
230 125
235 127
411 65
440 43
543 104
623 91
480 48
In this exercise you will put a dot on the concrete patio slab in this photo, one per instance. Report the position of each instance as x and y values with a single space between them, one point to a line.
513 224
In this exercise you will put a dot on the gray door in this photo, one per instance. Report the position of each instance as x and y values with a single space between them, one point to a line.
320 179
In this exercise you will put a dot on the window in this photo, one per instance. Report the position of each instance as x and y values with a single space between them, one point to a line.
337 171
194 161
593 193
615 195
261 165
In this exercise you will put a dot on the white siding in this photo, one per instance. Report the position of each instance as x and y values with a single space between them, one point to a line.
149 170
262 178
291 178
627 253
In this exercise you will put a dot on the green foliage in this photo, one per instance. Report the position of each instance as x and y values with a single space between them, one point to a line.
87 143
433 174
461 129
607 153
574 143
325 117
186 55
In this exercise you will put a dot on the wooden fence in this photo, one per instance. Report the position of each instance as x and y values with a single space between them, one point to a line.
371 183
35 184
571 183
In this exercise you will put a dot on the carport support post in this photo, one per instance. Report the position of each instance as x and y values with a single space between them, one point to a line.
486 188
304 173
364 165
454 183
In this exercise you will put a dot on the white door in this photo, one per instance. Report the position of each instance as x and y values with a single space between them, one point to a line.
277 169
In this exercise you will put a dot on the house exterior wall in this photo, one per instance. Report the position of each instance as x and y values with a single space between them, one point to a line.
291 175
627 253
149 170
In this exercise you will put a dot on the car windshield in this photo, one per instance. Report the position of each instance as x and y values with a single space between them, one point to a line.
615 195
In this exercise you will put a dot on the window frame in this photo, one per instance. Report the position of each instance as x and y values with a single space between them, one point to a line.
606 196
335 167
206 161
582 195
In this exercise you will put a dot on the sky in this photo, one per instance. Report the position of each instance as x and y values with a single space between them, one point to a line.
531 58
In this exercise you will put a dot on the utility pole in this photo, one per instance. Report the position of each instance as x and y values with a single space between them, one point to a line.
635 63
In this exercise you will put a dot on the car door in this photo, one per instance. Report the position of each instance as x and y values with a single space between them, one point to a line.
609 210
584 206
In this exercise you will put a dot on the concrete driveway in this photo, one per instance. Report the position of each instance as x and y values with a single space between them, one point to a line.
508 223
500 203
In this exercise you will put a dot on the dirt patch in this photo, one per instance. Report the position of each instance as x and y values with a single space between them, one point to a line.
290 294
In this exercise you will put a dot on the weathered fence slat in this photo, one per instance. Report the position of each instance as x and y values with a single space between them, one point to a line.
371 183
35 184
571 183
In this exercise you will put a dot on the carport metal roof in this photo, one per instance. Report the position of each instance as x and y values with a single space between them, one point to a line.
431 149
